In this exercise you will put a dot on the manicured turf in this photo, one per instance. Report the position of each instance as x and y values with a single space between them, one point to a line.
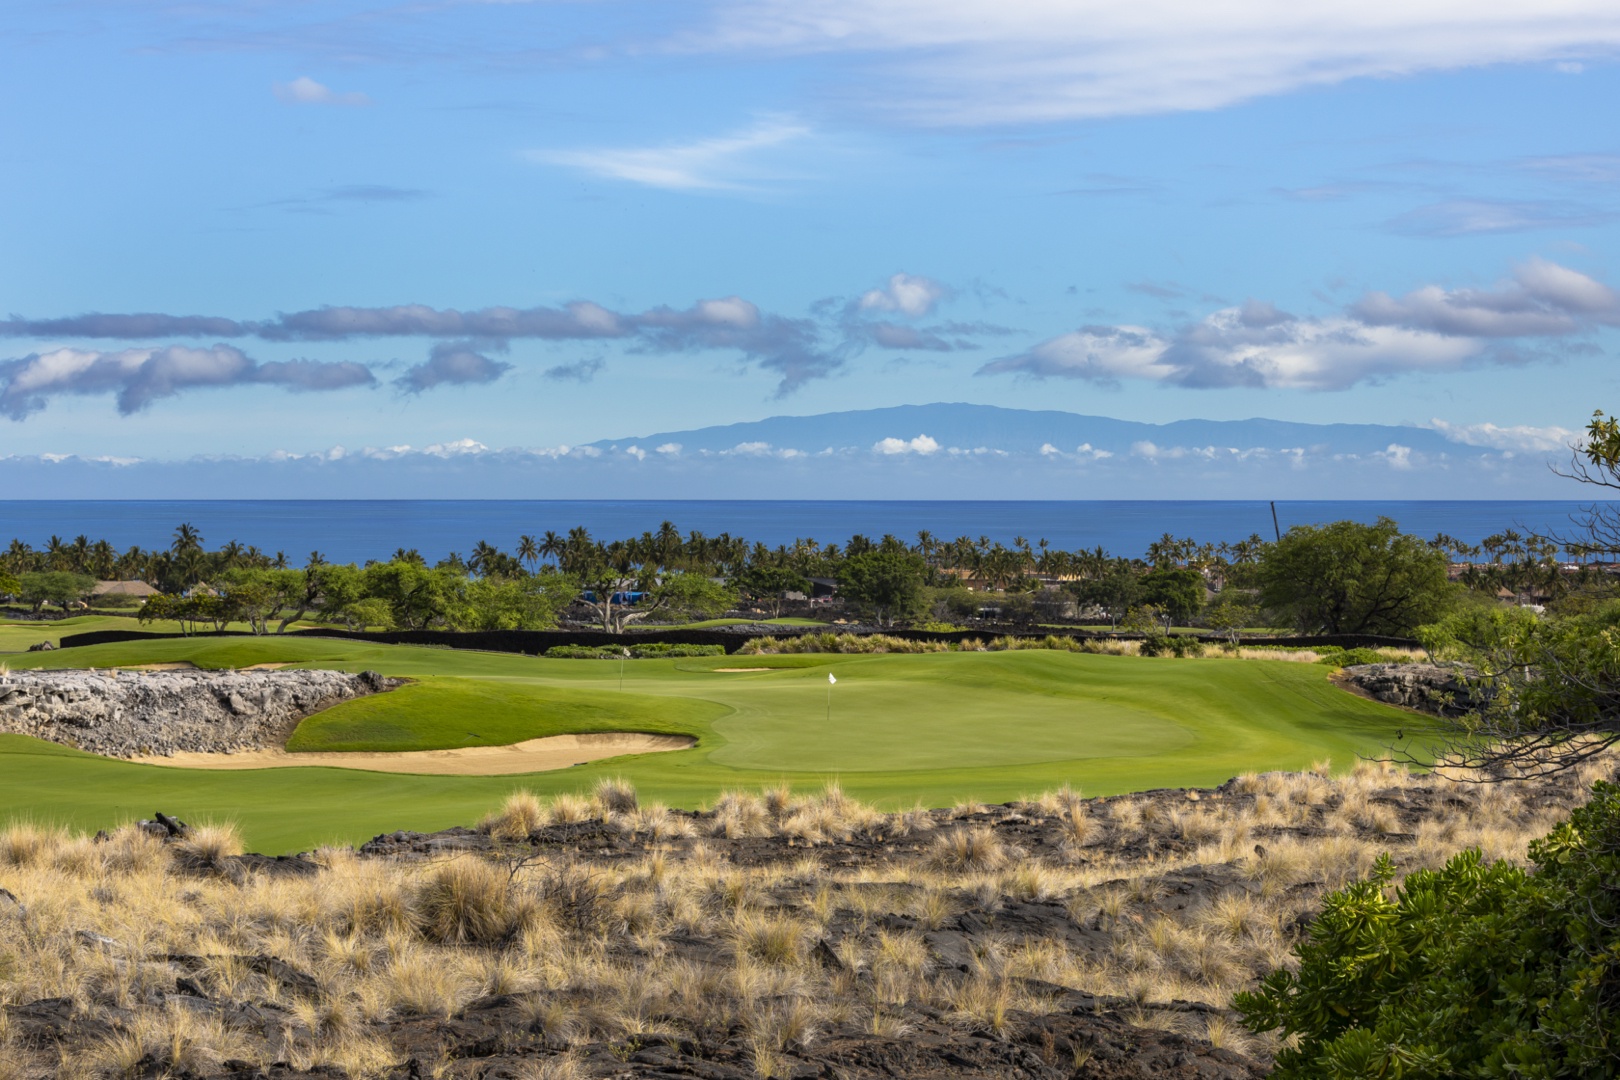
934 728
16 635
445 712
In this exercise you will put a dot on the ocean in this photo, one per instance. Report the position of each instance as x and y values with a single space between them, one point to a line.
357 530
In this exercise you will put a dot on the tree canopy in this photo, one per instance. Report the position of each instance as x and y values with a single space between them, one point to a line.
1349 578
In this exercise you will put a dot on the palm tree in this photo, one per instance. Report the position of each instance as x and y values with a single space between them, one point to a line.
485 558
528 551
551 547
103 559
186 538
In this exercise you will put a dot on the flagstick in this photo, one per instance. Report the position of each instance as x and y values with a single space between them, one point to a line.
829 703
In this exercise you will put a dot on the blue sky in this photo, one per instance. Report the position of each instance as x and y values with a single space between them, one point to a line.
541 224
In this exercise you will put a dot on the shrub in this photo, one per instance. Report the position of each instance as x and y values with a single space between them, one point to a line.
653 650
1178 645
1334 656
1478 969
840 643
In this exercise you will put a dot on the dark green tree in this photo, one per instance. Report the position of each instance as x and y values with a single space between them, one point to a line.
1178 593
1114 589
1350 578
886 584
765 584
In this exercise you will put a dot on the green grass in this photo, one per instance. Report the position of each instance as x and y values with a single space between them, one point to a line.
16 635
934 728
446 712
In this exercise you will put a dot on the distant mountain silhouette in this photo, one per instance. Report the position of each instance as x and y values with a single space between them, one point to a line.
1026 431
942 451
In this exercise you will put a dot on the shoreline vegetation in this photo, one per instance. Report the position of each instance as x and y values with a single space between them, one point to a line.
670 579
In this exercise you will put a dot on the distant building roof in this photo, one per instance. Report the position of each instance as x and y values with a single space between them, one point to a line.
123 588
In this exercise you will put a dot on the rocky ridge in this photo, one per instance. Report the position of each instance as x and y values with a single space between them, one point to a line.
130 714
1441 689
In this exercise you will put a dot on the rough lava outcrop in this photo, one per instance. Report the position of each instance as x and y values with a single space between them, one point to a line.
142 713
1439 689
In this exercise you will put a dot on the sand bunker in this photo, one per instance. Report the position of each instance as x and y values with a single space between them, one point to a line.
533 755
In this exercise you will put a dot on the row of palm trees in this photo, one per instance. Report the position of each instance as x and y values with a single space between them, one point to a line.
183 563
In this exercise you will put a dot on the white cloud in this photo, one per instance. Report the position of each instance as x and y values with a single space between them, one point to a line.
1398 456
1099 353
991 62
138 377
1430 329
1515 437
922 444
725 162
909 294
306 91
669 449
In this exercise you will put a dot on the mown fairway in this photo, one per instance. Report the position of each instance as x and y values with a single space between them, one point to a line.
933 728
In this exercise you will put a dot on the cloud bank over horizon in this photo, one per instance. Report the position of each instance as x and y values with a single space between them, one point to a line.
1540 312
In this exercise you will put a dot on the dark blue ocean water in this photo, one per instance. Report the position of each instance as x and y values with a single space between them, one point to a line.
353 531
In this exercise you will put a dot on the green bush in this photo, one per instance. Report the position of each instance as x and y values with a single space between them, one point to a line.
1334 656
651 651
841 643
1178 645
1475 970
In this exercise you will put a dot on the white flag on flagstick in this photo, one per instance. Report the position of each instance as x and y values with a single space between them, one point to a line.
831 678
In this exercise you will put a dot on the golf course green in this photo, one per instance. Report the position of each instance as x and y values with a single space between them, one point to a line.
896 729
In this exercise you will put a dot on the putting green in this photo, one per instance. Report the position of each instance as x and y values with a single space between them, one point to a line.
935 711
934 728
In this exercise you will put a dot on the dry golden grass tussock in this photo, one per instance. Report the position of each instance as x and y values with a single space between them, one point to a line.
614 795
206 849
468 901
967 850
521 814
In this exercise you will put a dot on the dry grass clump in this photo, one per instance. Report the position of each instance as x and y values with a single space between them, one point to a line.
521 814
614 795
468 901
206 849
968 850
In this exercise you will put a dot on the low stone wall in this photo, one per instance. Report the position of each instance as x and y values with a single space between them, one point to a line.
1430 688
138 713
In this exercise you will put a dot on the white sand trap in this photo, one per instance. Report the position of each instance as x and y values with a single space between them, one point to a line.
173 665
731 669
532 755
